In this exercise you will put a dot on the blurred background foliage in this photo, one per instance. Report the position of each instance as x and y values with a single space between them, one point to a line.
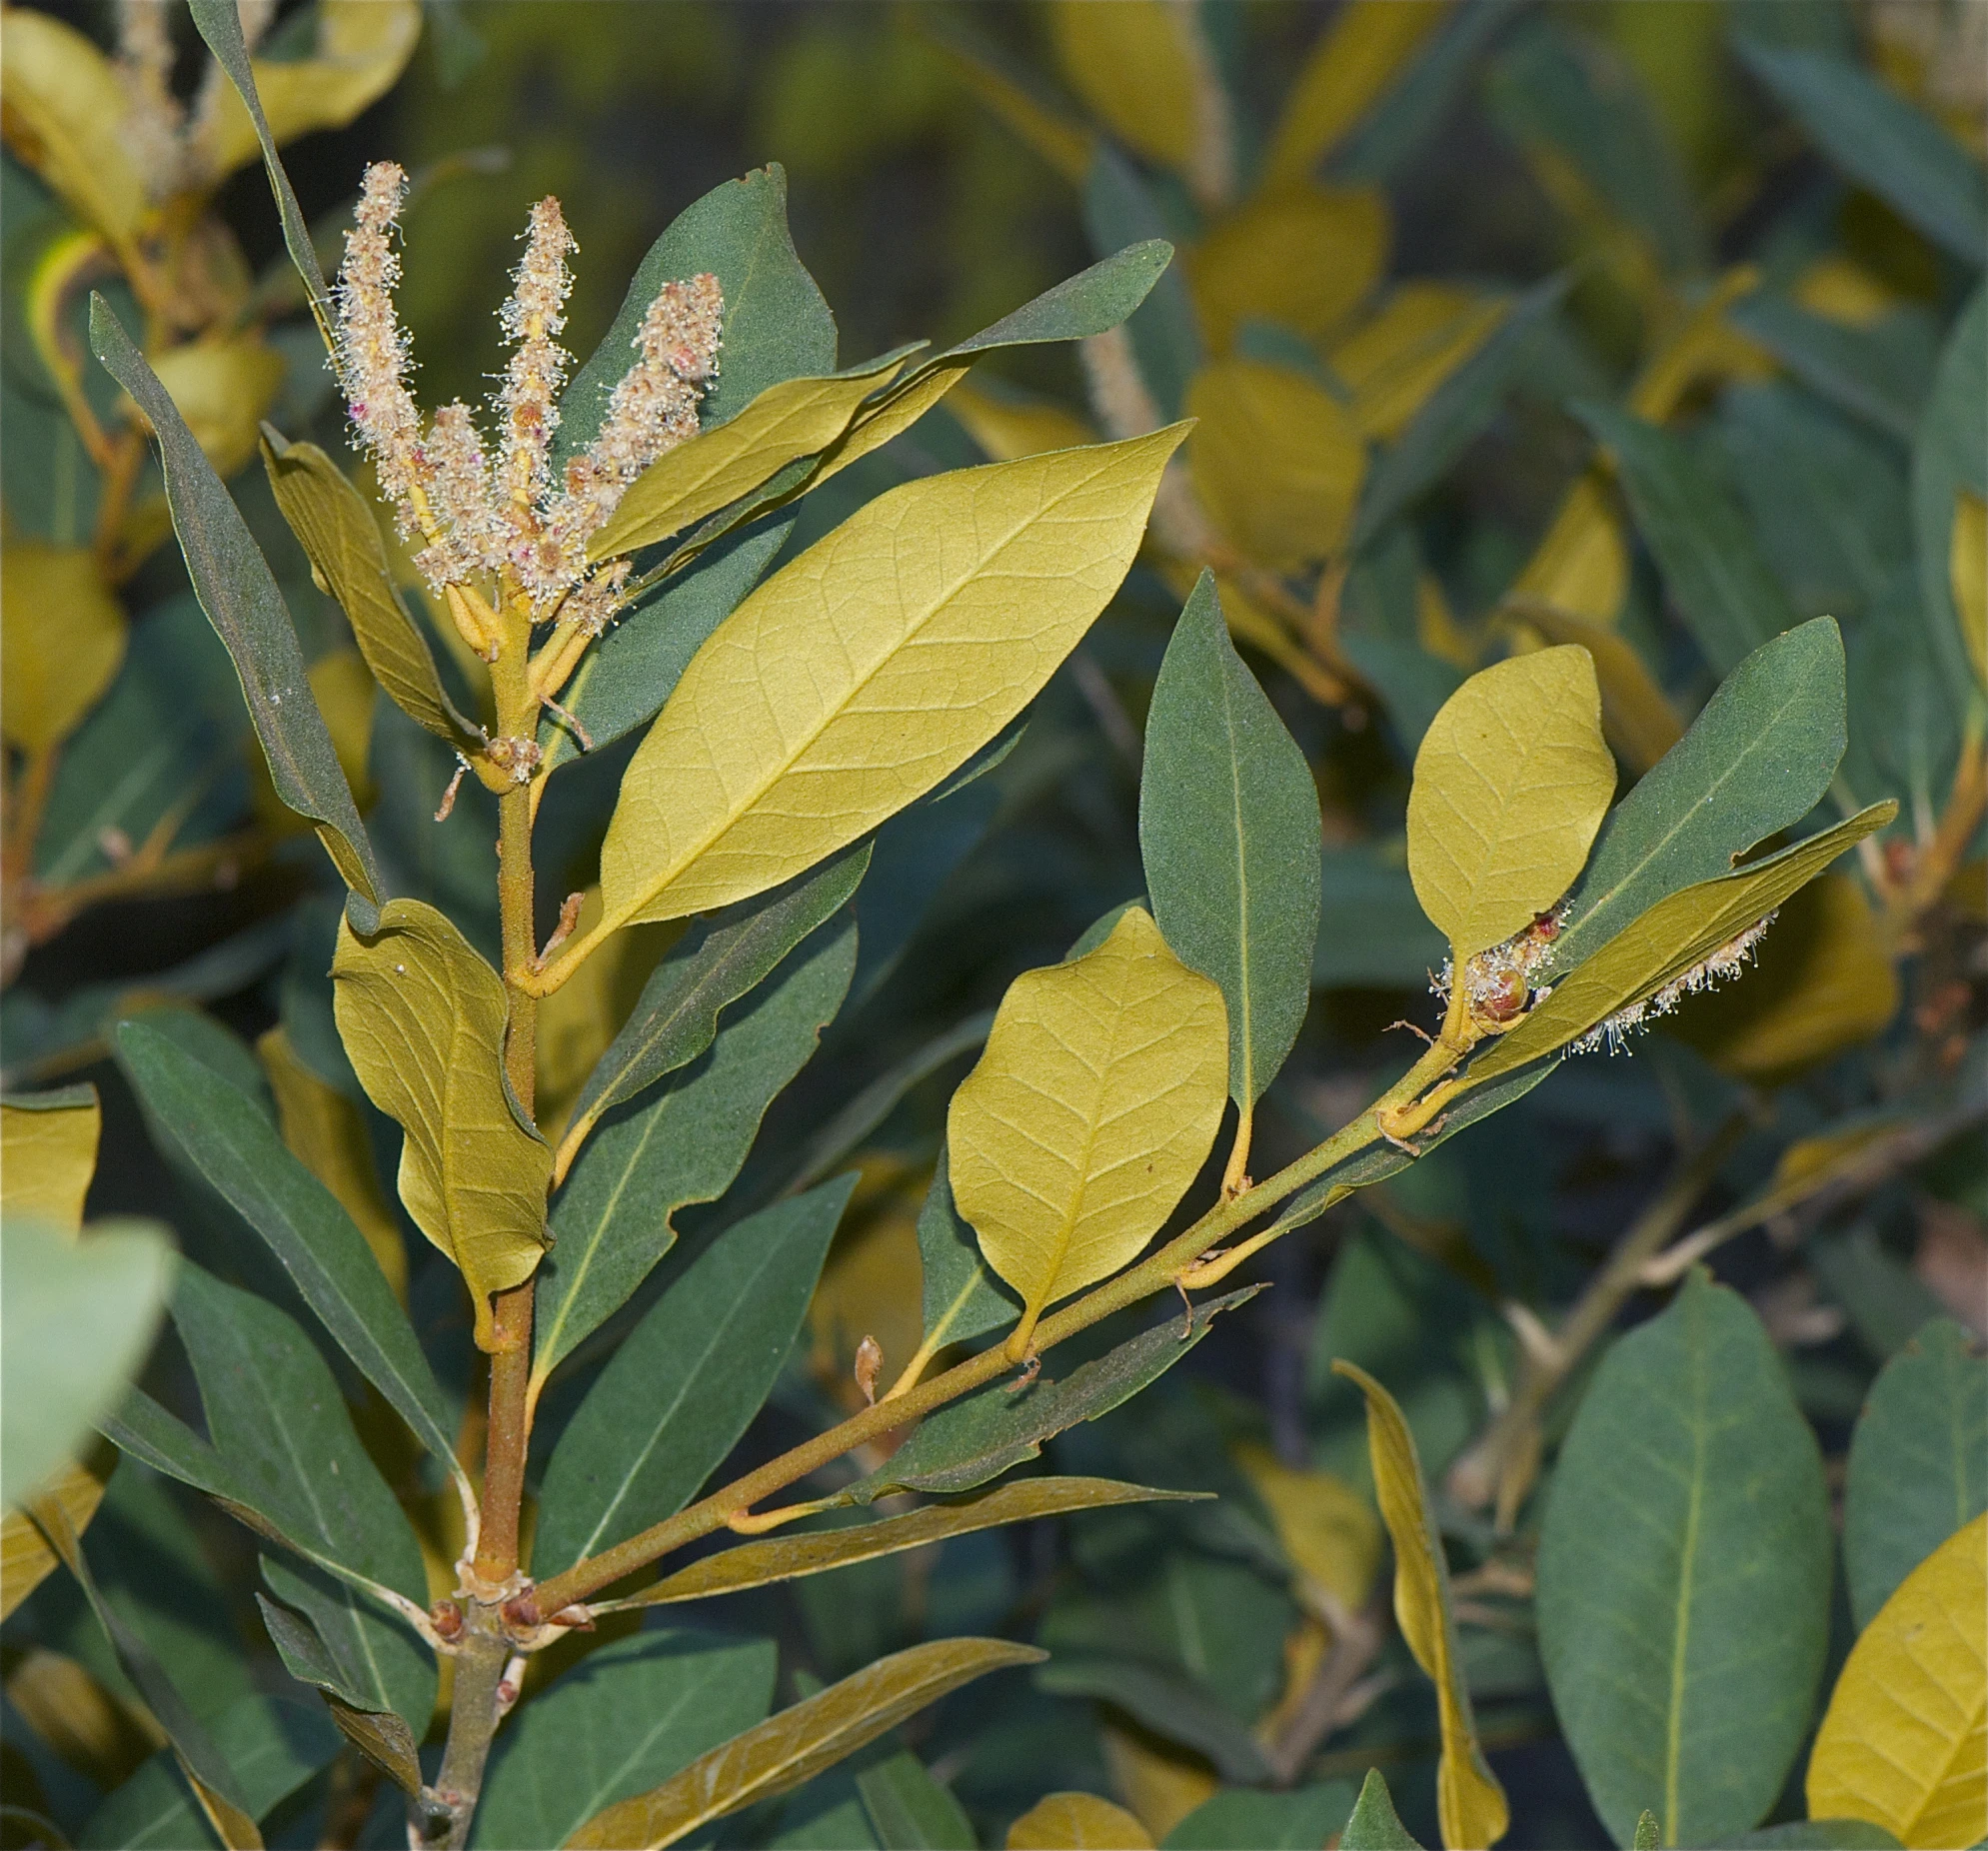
1651 324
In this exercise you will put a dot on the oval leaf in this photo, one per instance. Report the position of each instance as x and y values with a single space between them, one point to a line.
1078 1821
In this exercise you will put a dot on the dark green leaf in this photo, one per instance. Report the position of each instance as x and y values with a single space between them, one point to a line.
1121 215
1296 1820
1228 832
1405 118
1166 1702
1878 139
369 1661
980 1435
1949 454
1918 1463
1088 303
962 1298
911 1811
1711 568
685 1381
1880 374
1683 1659
1756 759
1813 1835
626 1719
243 602
612 1222
1375 1824
1372 931
1886 1301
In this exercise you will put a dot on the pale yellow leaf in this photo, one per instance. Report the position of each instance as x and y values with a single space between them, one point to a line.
1327 1527
1303 256
64 111
1581 566
47 1158
1905 1741
1159 1781
892 414
1394 362
423 1019
795 1744
223 388
326 1132
62 635
1007 425
1132 63
1470 1805
25 1557
1077 1822
872 1283
1276 461
90 1729
1512 780
878 662
1088 1115
1349 69
1967 569
1637 718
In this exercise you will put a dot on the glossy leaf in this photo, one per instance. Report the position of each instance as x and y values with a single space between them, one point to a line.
1511 782
787 1558
243 602
1077 1821
629 1716
613 1221
685 1381
63 632
833 695
962 1297
1949 456
231 1141
1757 758
1684 1657
1918 1463
1469 1801
1230 836
423 1018
979 1436
112 1282
1374 1825
48 1154
798 1743
1361 51
1901 1743
1088 1115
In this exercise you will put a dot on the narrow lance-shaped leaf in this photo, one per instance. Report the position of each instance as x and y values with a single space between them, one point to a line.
423 1018
48 1154
910 1810
1511 782
1088 1115
1469 1801
1230 836
240 595
798 1743
858 677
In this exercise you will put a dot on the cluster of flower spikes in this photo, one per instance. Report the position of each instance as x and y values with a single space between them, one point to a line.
1727 962
476 516
1498 982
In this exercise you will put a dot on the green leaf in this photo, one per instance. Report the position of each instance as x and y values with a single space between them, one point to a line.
423 1018
714 964
1917 1469
909 1811
80 1316
1373 931
1165 1700
1757 758
611 1222
979 1436
1815 1835
1294 1820
232 1143
1950 454
1230 836
1375 1824
962 1297
624 1719
1683 1659
1650 1835
1511 782
1456 414
340 537
1120 213
242 601
685 1381
1711 568
798 1743
1882 142
787 1558
1881 374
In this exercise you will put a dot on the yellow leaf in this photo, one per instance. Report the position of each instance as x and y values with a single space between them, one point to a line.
1905 1741
892 414
1637 718
423 1018
1305 257
342 686
25 1557
1512 780
1088 1115
1277 461
858 677
869 1286
1967 569
1703 347
1158 1780
1470 1805
1437 628
62 632
1010 426
1582 565
1841 290
223 389
1823 983
1396 358
48 1156
327 1134
64 109
363 46
1077 1821
90 1729
1327 1527
1132 63
1351 66
795 1744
